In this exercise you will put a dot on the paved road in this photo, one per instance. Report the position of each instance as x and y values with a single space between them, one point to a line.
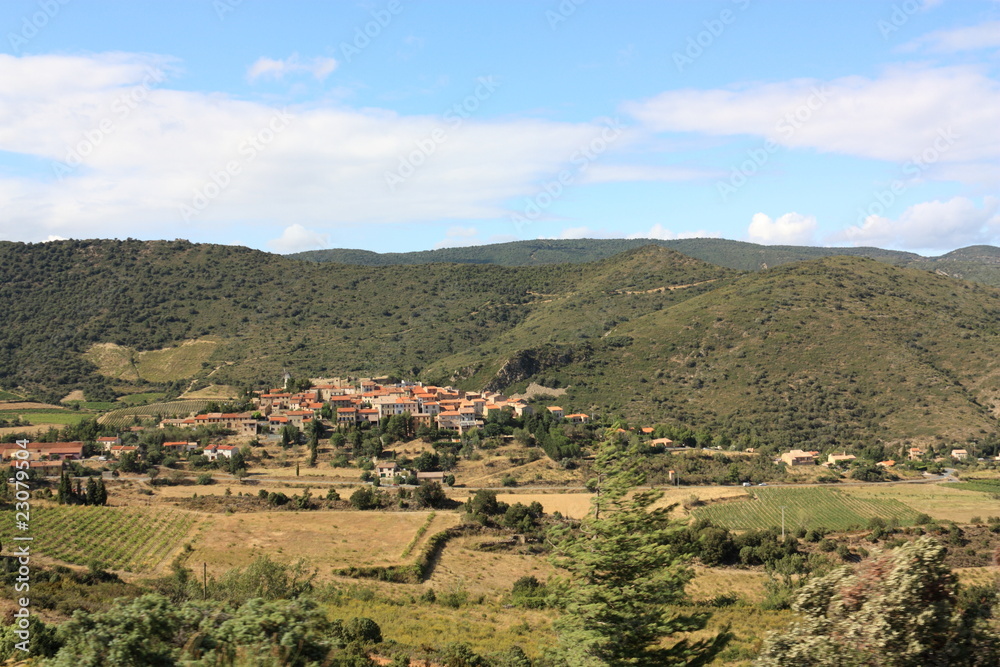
948 476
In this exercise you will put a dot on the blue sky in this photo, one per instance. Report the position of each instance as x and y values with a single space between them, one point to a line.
396 125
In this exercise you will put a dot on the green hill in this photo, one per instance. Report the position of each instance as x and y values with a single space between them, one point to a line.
977 263
737 255
834 352
70 304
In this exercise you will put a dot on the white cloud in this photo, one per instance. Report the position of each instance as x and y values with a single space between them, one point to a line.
319 67
893 117
297 238
658 231
934 225
325 169
459 237
581 233
788 229
617 173
970 38
53 237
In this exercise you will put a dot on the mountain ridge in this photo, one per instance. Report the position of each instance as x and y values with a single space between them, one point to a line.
836 351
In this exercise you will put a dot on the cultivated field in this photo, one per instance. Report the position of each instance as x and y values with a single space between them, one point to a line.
940 501
129 539
126 416
327 540
810 507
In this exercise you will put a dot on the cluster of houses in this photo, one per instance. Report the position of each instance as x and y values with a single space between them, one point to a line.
366 401
798 457
48 457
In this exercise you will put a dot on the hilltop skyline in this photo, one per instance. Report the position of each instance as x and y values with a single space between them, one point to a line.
395 127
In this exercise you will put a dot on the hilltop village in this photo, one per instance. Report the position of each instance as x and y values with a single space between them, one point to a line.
348 404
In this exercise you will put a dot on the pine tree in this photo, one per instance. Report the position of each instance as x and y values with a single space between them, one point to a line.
624 574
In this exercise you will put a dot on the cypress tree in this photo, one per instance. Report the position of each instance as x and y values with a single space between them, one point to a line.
91 497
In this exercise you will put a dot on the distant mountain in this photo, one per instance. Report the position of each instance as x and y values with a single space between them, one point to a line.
978 263
839 351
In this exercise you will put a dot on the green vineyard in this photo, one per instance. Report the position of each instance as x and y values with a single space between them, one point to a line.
981 485
131 539
804 507
127 416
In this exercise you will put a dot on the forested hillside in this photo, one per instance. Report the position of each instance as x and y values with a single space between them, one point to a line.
838 351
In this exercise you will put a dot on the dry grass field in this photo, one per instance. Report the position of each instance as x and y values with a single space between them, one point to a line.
213 392
939 501
486 628
326 540
463 567
172 363
709 582
572 505
497 464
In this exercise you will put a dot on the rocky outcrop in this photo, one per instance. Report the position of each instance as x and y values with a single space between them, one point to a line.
526 363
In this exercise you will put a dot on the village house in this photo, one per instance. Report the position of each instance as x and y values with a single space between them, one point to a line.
959 454
797 457
916 453
347 416
107 442
578 418
299 418
387 469
40 451
180 447
436 476
556 412
243 423
666 442
213 452
455 420
833 459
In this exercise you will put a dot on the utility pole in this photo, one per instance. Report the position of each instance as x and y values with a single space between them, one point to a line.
783 522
